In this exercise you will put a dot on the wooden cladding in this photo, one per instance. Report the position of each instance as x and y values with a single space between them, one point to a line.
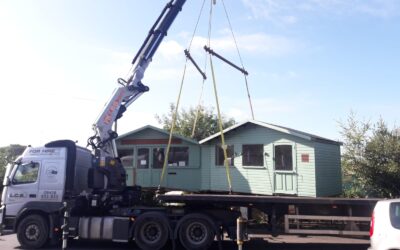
149 141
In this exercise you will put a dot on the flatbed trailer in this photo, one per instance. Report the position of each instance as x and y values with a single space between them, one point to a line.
292 215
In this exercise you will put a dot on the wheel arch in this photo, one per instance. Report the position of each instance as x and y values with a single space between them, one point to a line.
46 210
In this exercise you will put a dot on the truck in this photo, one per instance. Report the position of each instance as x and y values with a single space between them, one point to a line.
61 190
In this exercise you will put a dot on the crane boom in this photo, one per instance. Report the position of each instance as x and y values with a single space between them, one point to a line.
132 88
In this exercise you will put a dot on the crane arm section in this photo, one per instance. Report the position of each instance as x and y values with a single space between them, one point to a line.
132 88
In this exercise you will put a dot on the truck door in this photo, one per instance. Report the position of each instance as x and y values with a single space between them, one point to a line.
52 180
23 187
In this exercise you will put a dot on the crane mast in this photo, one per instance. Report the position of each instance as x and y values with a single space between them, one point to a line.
132 88
103 141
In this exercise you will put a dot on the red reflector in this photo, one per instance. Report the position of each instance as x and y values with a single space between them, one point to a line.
371 227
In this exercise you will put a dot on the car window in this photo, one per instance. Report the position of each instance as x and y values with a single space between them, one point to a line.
395 214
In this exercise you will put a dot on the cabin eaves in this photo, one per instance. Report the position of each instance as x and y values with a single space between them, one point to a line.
297 133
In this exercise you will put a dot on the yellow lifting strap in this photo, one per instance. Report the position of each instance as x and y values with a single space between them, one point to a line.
177 105
172 127
224 147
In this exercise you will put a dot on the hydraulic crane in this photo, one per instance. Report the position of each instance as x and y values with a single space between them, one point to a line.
103 141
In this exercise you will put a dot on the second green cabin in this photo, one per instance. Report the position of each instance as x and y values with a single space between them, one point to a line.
263 159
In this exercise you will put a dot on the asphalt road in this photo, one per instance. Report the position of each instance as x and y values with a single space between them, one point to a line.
263 242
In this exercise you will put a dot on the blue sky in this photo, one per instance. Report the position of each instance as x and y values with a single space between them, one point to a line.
310 63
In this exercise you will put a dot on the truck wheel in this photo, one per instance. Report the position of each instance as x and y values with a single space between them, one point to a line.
33 232
151 231
196 233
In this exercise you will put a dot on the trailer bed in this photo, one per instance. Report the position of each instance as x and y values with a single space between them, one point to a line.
292 215
251 200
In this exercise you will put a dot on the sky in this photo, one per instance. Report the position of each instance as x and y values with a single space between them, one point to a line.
310 63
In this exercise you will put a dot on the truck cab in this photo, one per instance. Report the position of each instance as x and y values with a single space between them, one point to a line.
46 183
40 179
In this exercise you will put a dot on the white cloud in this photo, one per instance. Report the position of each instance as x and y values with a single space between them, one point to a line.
289 12
238 114
171 49
272 10
382 8
169 60
256 43
269 108
160 73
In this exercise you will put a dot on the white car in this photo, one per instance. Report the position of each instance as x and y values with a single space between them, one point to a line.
385 225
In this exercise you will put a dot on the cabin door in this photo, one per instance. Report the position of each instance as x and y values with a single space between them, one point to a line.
142 164
285 174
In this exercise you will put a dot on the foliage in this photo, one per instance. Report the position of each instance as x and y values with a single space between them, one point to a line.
371 159
7 155
207 122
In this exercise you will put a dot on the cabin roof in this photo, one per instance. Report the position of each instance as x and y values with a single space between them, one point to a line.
158 130
290 131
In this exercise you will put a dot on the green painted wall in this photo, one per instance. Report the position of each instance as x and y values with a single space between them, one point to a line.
319 175
186 178
328 172
261 180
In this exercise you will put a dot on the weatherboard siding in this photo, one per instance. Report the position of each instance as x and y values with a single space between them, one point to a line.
256 179
205 174
316 165
305 170
328 172
186 178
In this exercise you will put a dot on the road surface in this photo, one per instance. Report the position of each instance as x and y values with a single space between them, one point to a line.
288 242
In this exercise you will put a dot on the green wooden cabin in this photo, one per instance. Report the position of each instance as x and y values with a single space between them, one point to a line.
263 159
142 153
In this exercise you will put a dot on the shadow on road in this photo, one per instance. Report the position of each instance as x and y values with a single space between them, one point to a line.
253 245
10 242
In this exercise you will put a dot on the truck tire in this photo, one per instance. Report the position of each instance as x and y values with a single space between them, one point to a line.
33 232
196 233
151 231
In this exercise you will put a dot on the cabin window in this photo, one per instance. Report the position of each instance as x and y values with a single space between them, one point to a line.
158 157
126 156
219 155
26 173
252 155
283 157
178 157
143 158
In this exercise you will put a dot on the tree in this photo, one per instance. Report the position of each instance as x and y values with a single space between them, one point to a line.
207 122
7 155
371 159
